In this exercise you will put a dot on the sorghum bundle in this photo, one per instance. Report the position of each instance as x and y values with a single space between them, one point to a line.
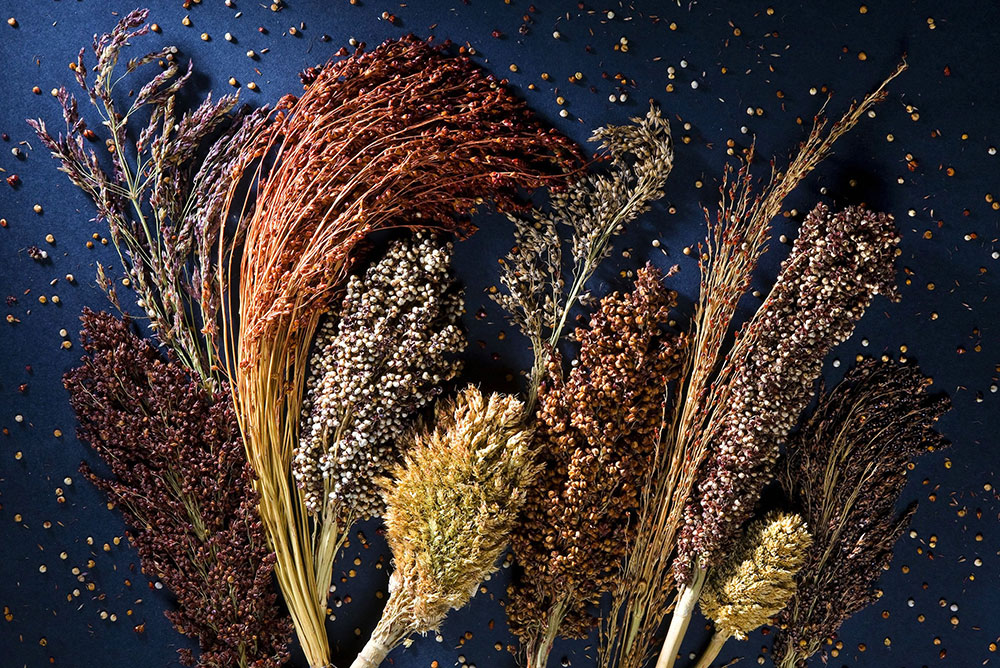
837 265
180 477
162 201
382 358
595 208
738 235
402 136
755 580
451 506
596 431
845 470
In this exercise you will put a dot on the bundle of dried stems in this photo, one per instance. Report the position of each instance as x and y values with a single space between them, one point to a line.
402 136
737 237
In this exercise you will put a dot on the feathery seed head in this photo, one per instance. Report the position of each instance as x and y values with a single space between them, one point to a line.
757 578
452 502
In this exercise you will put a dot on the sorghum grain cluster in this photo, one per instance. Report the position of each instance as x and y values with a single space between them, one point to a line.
845 471
180 478
837 265
385 356
757 577
451 506
595 433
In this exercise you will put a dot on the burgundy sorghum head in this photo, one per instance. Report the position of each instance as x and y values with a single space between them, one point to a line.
180 477
845 471
839 262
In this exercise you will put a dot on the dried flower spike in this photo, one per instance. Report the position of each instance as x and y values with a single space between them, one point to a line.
838 264
845 470
595 435
450 510
162 201
756 579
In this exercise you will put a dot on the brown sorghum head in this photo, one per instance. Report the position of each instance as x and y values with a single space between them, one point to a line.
595 433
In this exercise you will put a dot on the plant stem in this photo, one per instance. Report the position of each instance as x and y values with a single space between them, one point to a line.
331 539
539 650
390 631
790 661
714 647
687 597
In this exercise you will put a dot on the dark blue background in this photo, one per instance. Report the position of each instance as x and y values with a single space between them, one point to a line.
942 114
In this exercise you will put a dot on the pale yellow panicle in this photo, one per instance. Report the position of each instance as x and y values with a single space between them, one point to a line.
758 577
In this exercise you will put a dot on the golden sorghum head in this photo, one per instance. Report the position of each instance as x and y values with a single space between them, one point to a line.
758 578
453 501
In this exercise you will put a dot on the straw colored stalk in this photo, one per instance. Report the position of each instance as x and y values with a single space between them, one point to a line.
756 579
737 238
451 506
402 134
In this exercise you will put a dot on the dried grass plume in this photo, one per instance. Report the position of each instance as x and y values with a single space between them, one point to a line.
450 508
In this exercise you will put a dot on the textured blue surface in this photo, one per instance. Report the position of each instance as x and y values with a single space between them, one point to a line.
941 115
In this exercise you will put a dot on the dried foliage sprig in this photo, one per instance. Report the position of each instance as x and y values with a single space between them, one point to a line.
383 357
755 580
738 236
595 208
595 436
165 194
403 136
180 478
845 471
451 506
